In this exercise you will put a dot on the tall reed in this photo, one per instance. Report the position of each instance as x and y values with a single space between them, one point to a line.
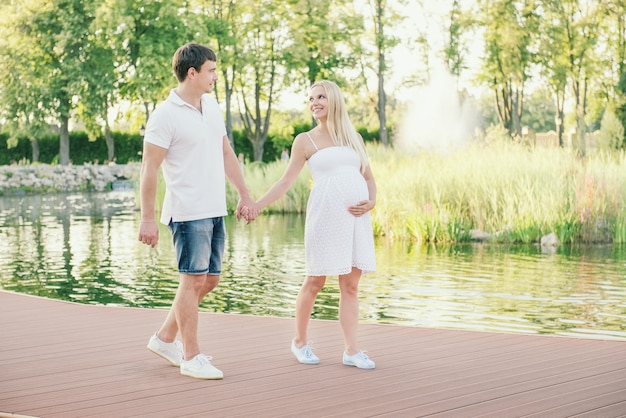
507 191
261 176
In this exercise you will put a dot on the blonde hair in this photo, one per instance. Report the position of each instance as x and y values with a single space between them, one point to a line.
340 127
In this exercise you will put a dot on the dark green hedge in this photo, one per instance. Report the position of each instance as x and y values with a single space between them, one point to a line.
128 147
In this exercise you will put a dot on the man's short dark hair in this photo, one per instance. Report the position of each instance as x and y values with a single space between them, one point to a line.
191 55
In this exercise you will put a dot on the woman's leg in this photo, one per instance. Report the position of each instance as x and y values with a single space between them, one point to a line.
304 306
349 308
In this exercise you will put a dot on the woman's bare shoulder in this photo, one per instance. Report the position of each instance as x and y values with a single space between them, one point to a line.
303 144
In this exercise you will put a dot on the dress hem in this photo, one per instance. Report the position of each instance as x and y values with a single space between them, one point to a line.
338 272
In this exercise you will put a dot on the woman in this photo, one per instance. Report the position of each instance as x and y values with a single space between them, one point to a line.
338 231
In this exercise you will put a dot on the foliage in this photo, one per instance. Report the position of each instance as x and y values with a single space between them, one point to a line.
84 150
576 24
260 177
68 62
539 114
620 112
611 135
128 146
323 39
143 35
56 33
507 191
510 34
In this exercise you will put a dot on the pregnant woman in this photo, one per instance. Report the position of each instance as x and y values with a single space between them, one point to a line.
338 231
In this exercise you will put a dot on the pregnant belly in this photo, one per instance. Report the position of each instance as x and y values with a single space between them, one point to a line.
346 190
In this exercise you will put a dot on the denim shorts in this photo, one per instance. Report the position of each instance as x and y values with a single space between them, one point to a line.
199 245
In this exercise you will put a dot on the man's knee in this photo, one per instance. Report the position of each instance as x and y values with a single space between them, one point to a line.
195 283
211 281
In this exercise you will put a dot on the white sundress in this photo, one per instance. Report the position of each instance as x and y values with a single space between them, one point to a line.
334 239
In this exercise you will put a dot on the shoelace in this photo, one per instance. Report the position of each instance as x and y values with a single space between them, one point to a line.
361 355
203 359
307 349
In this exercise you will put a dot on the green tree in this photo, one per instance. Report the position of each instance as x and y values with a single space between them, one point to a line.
615 23
55 34
100 89
510 30
262 47
219 27
383 16
21 79
579 20
539 113
324 35
554 66
144 35
455 50
621 109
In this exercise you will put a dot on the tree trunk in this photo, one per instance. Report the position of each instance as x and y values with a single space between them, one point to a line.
515 116
229 118
64 143
34 144
580 95
581 130
382 100
110 142
560 114
147 111
382 103
258 147
108 138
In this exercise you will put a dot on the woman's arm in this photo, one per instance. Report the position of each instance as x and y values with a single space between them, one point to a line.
296 162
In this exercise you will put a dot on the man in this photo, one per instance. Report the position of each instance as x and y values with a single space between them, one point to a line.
186 136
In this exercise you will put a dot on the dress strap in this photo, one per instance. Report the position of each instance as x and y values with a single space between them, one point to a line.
312 142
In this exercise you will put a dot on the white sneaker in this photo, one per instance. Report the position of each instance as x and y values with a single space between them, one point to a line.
304 353
200 367
360 360
172 352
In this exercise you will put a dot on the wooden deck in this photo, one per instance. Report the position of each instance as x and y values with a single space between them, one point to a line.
60 359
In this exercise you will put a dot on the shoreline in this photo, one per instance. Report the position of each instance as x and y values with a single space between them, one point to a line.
33 179
16 180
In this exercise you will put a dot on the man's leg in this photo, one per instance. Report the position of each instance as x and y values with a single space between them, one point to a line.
183 317
169 329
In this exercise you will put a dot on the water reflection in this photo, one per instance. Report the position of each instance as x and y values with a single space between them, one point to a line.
83 248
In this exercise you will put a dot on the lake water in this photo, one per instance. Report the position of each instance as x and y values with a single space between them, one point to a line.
84 248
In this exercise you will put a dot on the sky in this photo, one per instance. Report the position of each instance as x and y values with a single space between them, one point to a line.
404 60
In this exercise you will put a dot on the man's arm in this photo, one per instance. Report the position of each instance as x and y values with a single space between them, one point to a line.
235 176
152 158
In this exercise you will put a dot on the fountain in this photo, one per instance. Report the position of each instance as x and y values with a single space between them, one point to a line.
436 119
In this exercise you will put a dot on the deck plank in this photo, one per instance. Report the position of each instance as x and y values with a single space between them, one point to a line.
61 359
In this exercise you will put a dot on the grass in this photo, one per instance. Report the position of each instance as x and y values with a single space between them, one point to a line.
261 176
512 192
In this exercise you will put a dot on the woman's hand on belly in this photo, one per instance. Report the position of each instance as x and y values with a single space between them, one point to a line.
361 208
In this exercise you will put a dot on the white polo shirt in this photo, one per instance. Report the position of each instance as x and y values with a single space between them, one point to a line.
193 168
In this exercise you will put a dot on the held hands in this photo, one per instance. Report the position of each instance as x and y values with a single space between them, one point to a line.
361 208
248 210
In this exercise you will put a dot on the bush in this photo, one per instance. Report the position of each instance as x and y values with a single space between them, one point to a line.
128 147
611 135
